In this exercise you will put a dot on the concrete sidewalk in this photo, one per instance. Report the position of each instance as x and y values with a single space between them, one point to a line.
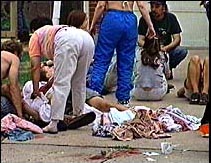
78 146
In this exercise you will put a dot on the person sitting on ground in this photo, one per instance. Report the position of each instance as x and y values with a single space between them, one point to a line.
150 81
11 52
168 30
196 84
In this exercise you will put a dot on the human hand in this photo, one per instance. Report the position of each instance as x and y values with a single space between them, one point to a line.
168 74
163 48
151 33
35 94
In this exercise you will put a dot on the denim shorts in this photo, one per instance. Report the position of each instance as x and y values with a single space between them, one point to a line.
91 93
6 107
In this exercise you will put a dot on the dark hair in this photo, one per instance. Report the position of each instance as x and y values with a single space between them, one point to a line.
163 3
43 76
39 22
150 53
12 46
76 18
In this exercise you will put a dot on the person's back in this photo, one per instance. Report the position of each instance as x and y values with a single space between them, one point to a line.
120 5
11 52
150 81
8 61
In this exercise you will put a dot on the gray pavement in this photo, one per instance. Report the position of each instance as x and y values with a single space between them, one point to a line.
79 146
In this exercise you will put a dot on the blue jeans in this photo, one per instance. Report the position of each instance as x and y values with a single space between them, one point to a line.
6 107
176 56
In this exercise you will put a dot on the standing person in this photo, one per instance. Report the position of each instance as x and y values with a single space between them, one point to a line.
71 50
78 19
167 27
11 52
205 4
118 31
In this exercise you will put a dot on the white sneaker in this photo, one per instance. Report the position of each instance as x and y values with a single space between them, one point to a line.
125 103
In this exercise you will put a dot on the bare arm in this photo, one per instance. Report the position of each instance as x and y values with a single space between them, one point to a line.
35 70
103 105
145 13
176 42
99 10
28 110
14 87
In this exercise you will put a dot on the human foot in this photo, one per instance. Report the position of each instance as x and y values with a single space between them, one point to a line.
51 128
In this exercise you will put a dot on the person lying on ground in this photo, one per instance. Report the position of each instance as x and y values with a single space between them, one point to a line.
196 84
39 108
45 86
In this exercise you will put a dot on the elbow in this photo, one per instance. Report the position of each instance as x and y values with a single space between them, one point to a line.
178 42
100 7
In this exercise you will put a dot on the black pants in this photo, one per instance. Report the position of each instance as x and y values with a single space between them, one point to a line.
207 113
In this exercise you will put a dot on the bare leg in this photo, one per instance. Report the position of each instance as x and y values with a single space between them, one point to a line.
205 76
193 74
104 105
5 90
204 97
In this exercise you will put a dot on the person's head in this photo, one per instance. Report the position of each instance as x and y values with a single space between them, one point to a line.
158 9
46 71
78 19
12 46
39 22
151 52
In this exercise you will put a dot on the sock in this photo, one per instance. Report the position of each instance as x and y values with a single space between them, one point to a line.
54 123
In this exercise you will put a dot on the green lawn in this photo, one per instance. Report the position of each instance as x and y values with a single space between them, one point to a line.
25 73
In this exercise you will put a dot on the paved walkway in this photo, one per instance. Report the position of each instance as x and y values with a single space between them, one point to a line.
79 146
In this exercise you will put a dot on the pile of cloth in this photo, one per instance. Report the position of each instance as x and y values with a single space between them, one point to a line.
18 129
143 122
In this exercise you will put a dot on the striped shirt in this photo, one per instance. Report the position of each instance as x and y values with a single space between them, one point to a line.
42 41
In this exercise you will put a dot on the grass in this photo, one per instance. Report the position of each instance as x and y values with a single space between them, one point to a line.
25 72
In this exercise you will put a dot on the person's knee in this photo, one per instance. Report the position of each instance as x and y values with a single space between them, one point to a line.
5 90
206 61
195 59
184 52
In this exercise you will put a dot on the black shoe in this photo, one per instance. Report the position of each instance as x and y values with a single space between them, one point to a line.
204 98
79 121
170 86
194 99
125 103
